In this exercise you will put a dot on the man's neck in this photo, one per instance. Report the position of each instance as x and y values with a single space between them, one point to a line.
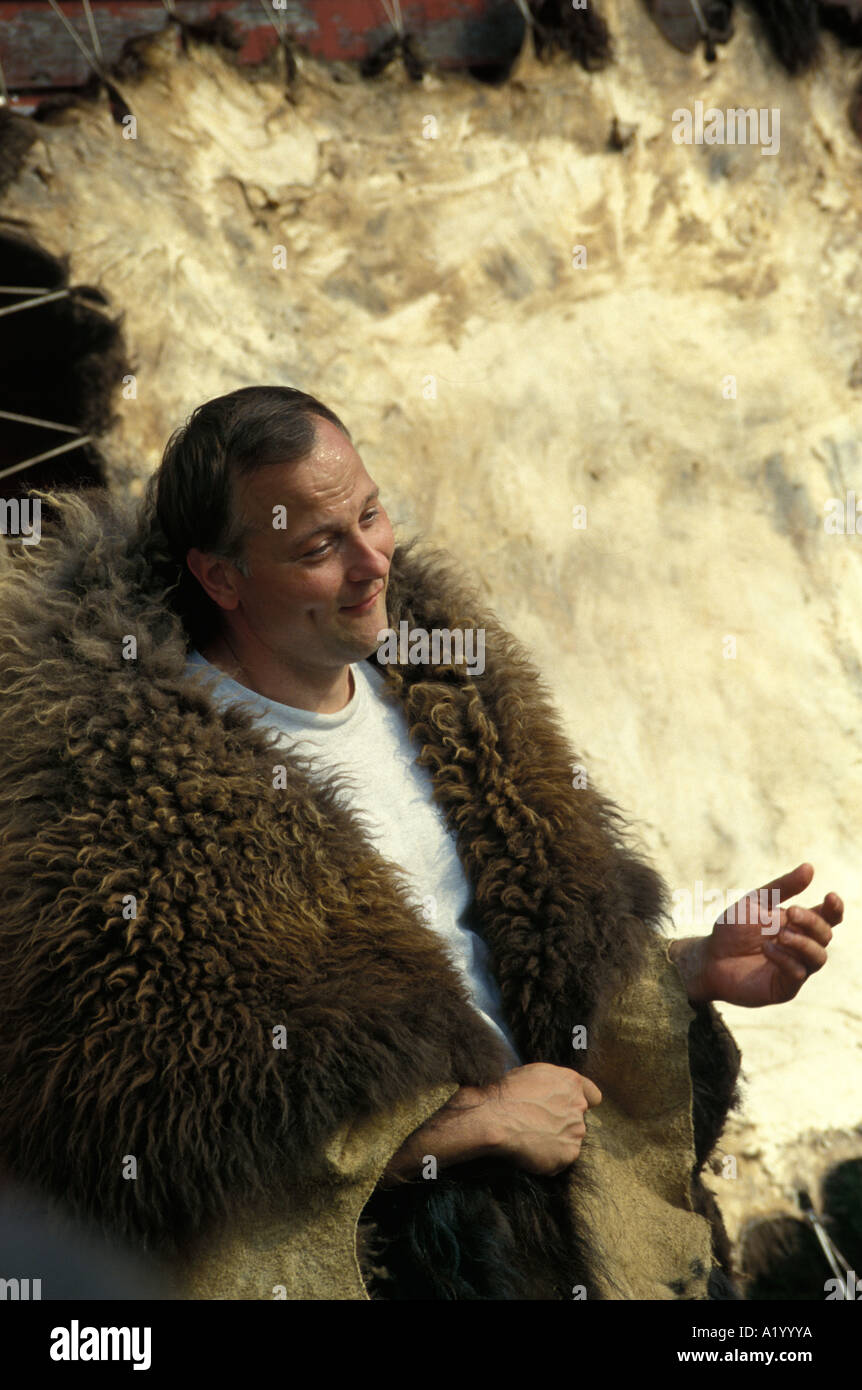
319 691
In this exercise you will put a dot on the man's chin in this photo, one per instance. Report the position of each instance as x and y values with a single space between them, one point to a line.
365 637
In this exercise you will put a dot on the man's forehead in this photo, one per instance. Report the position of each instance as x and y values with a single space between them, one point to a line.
310 490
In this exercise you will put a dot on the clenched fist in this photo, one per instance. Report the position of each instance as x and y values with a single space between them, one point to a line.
536 1116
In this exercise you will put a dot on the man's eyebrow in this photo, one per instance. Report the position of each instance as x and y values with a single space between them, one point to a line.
330 526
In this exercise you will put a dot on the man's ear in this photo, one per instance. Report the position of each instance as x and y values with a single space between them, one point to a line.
217 577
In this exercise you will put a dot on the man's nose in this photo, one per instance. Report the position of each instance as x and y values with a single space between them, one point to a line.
364 555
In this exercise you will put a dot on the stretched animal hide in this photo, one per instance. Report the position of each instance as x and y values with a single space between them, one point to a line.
164 907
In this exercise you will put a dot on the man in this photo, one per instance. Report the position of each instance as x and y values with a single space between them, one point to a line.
322 951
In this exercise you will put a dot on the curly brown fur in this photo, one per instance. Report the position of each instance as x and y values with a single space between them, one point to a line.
108 1022
151 1035
714 1062
479 1230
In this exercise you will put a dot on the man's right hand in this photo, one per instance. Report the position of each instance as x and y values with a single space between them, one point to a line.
536 1116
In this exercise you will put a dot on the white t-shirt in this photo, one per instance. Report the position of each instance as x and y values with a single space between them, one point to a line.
367 740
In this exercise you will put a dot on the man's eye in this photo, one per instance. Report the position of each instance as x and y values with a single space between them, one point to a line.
322 549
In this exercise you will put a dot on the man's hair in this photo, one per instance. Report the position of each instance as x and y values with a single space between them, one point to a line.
193 498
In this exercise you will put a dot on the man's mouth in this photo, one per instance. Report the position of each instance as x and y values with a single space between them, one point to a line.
366 604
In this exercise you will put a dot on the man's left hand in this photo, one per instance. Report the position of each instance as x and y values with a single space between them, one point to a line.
761 953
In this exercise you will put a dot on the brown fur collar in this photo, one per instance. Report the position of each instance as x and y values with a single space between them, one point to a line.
152 1036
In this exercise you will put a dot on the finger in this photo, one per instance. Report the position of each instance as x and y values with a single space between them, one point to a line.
806 921
576 1128
785 962
592 1094
788 885
812 955
831 908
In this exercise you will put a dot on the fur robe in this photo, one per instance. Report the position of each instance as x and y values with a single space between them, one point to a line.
220 1014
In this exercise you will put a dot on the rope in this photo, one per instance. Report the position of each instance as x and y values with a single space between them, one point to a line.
827 1245
91 59
526 12
830 1250
51 453
94 33
25 289
115 95
279 26
699 16
26 303
32 420
392 10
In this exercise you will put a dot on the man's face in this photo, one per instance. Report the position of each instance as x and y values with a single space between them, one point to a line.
334 553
